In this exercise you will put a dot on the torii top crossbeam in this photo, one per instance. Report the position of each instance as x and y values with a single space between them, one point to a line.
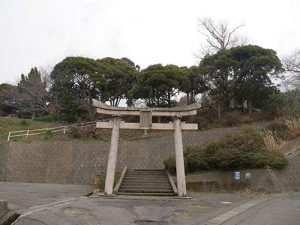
188 110
146 115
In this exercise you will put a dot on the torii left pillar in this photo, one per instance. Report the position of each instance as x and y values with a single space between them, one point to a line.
180 173
112 158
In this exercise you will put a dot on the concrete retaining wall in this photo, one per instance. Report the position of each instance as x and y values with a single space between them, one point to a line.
57 162
3 160
78 162
288 179
261 179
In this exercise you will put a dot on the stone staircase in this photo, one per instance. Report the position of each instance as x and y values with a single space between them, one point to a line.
146 182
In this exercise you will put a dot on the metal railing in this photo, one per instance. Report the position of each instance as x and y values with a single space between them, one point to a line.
63 129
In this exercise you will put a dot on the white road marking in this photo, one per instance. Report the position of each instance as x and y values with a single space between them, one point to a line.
38 208
234 212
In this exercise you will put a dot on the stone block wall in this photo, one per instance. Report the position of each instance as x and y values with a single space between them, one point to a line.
288 179
261 179
3 160
78 161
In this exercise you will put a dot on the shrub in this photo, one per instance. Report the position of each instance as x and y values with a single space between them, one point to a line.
78 132
48 135
203 123
245 150
24 123
47 118
282 104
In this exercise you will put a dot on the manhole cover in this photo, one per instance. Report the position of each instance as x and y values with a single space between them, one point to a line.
149 222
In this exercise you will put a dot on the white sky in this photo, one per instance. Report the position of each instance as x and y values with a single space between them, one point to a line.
43 32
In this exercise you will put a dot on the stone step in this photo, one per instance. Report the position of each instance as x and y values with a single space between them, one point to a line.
146 194
146 182
145 187
150 182
135 175
146 171
145 190
159 173
145 178
131 173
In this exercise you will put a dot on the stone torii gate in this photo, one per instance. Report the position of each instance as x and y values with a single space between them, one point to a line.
145 115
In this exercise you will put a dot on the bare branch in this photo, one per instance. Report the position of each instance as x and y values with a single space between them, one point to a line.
219 35
291 65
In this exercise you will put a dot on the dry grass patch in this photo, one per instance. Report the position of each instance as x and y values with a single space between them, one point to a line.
272 143
293 124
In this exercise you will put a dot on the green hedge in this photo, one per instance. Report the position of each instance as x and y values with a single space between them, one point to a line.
245 150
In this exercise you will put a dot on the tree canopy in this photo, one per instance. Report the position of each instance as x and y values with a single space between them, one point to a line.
73 87
158 85
117 77
241 73
230 77
78 80
194 83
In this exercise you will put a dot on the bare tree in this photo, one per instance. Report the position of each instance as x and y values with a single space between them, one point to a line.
291 65
33 94
45 73
219 35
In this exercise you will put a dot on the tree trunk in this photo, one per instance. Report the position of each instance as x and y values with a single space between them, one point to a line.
219 110
250 107
159 119
33 115
187 98
169 100
231 103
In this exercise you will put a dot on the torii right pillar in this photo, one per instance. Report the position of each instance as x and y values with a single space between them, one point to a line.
180 173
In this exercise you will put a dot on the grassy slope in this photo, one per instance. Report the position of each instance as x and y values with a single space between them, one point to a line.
14 124
206 118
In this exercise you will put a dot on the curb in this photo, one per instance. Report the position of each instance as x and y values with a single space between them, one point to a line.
9 218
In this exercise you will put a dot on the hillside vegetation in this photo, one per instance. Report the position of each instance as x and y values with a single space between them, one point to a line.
86 133
14 124
243 150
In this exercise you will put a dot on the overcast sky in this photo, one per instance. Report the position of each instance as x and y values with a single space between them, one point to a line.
43 32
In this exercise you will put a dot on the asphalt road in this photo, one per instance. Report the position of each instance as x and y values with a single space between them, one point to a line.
277 211
23 195
53 204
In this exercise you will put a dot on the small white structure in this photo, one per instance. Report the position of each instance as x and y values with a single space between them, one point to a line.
145 123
